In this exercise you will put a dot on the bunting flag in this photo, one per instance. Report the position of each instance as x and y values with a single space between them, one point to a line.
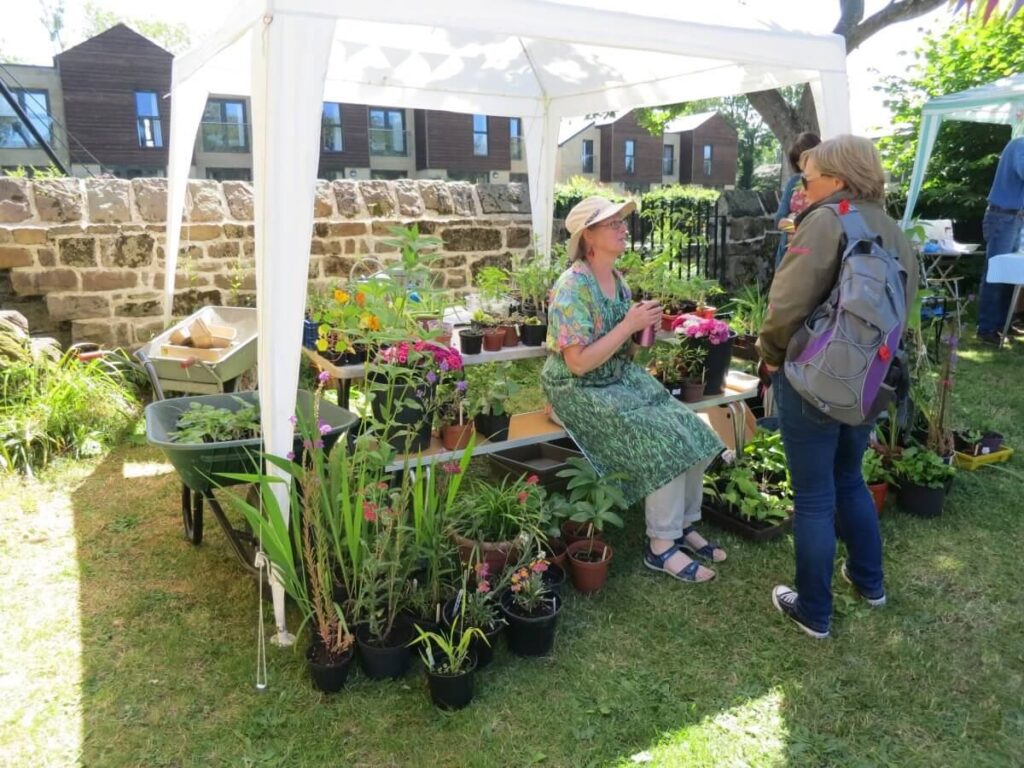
990 7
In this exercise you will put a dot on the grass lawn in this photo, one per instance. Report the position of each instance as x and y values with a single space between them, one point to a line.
124 645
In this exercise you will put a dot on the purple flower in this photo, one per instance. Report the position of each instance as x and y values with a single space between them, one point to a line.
444 368
293 420
432 377
324 427
307 444
318 444
323 377
461 385
290 455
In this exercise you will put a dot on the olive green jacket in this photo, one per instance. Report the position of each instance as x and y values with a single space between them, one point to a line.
809 270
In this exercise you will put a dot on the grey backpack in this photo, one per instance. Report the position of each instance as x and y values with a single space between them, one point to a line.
847 358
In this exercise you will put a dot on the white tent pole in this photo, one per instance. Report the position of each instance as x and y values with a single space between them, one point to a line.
290 55
541 135
831 103
189 100
925 144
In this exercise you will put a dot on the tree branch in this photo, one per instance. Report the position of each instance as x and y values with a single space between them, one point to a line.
893 13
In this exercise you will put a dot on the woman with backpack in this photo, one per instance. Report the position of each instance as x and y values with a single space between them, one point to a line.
841 176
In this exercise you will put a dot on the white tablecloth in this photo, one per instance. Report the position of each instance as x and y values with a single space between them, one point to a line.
1006 268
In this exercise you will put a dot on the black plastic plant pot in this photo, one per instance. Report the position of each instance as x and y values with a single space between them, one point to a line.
716 366
726 518
451 691
470 342
484 652
388 661
920 500
531 635
412 424
494 428
533 335
554 578
328 676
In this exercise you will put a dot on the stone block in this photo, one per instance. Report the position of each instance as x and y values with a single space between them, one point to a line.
188 301
14 205
235 283
105 332
69 306
239 197
346 229
46 257
30 236
77 251
146 305
203 232
350 246
471 239
747 227
346 195
409 201
321 247
58 200
127 251
455 278
205 201
338 266
150 198
322 207
504 261
436 197
224 250
378 196
740 202
503 198
385 246
186 279
108 279
463 201
146 330
6 236
234 231
450 262
108 200
248 248
15 257
519 237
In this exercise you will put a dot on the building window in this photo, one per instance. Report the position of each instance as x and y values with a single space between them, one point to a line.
224 127
135 172
519 178
630 156
387 132
587 159
473 177
707 159
668 160
515 129
480 135
229 174
147 120
330 127
377 173
36 105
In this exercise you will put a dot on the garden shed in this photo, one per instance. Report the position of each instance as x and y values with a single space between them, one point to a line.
537 60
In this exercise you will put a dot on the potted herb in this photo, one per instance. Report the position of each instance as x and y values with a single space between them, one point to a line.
716 338
450 664
491 387
493 334
667 365
531 610
922 478
878 476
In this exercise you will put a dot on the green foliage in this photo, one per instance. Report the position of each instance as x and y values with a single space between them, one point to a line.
596 500
207 424
966 54
875 469
923 467
493 283
490 511
749 308
447 653
491 386
757 485
173 37
577 188
34 172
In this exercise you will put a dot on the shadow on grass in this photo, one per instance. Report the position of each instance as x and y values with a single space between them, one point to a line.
648 671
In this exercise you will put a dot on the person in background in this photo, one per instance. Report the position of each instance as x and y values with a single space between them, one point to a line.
824 455
793 200
621 417
1002 230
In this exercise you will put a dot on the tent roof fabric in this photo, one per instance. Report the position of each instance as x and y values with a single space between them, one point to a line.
538 60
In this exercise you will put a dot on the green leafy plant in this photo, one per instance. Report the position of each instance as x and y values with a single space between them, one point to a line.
209 424
448 652
493 283
500 511
596 500
756 485
534 279
527 587
876 470
922 467
749 310
491 387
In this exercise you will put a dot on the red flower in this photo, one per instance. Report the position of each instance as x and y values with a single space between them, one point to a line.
539 566
532 480
383 486
523 496
884 353
369 511
483 587
844 207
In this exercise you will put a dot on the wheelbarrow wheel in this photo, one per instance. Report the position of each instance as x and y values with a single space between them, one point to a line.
192 514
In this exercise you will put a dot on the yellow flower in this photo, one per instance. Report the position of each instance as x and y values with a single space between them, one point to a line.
369 322
340 296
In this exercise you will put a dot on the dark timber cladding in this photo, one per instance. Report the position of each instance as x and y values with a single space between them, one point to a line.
716 132
647 152
448 138
100 78
355 141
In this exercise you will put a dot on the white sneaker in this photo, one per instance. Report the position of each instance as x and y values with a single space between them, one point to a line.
874 602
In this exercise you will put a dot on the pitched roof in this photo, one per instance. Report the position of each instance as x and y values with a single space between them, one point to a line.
119 31
688 122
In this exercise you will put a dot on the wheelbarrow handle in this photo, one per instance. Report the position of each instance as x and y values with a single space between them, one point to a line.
154 379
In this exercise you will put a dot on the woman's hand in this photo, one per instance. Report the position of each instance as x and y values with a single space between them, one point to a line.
642 315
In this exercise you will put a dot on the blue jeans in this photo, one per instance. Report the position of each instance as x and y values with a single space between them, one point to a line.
1002 234
830 495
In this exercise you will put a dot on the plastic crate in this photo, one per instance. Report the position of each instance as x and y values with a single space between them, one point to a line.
972 463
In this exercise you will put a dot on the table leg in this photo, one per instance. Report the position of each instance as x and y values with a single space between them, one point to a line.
1009 314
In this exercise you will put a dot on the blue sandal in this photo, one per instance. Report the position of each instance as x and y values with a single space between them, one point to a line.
707 552
657 563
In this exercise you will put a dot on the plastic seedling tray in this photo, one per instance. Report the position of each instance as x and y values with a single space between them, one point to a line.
972 463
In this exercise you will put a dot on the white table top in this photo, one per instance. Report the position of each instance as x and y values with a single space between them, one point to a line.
1006 268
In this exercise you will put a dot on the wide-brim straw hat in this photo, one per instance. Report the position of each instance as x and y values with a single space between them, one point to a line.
591 211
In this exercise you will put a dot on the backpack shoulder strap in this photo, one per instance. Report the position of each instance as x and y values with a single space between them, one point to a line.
854 226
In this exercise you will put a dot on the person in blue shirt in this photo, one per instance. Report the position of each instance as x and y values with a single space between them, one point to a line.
791 201
1001 228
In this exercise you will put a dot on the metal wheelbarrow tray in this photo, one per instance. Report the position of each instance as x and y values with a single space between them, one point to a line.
204 371
199 464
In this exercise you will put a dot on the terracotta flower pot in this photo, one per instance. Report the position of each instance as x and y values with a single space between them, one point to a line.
667 319
511 336
589 562
708 313
455 437
573 532
878 493
494 339
497 554
558 552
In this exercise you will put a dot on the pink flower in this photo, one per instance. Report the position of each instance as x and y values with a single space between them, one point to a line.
516 587
324 427
483 587
292 420
369 511
482 570
532 480
323 377
523 496
539 566
451 468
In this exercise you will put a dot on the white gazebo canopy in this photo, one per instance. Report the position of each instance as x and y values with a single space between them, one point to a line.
539 60
1001 102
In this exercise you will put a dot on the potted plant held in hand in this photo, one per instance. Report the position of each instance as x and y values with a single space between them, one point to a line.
922 477
531 610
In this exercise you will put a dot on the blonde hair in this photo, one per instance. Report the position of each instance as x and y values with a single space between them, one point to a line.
854 161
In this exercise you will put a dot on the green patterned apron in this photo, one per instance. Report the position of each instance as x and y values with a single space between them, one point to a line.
622 418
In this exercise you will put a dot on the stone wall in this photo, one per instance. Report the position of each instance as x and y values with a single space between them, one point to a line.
751 238
84 259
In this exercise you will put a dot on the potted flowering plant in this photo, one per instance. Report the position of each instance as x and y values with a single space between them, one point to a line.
402 382
716 338
530 609
476 605
343 320
451 413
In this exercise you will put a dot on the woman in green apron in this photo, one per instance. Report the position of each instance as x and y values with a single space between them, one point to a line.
622 418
